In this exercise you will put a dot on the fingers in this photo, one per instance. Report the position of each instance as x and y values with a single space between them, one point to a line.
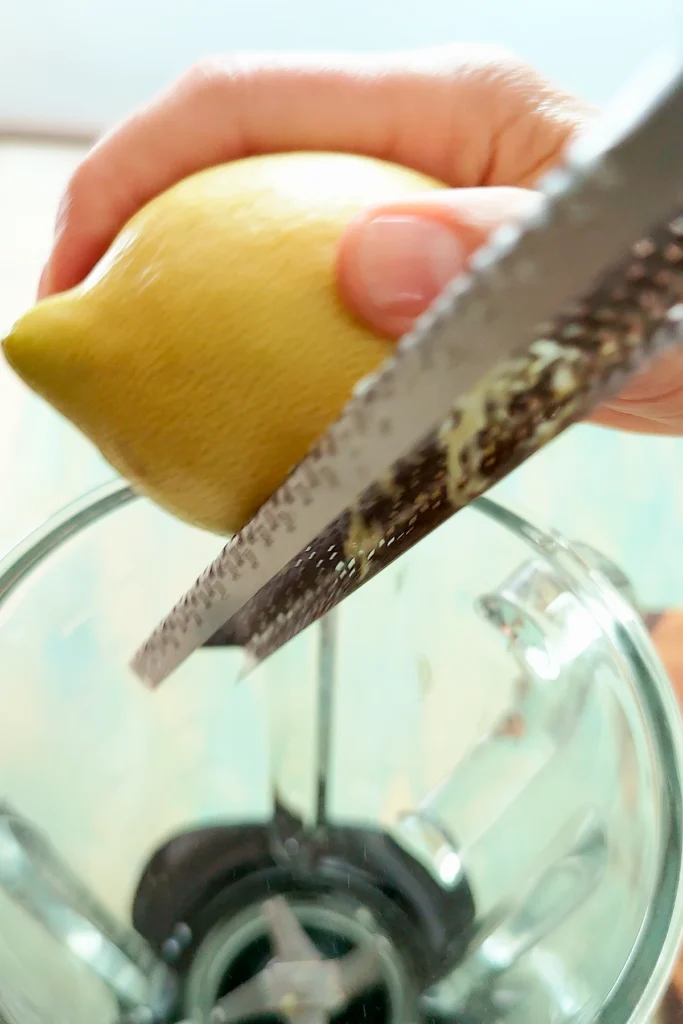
635 423
653 402
395 259
466 115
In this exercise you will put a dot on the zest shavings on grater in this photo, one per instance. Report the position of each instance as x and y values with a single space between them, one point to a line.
587 356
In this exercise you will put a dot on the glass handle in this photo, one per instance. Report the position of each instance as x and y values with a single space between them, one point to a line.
574 865
558 890
557 645
596 561
547 627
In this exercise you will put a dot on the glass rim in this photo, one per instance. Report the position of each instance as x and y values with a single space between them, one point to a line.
643 982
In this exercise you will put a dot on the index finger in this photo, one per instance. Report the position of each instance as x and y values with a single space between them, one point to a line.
465 115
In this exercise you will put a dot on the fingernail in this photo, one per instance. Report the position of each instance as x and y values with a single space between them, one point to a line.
404 261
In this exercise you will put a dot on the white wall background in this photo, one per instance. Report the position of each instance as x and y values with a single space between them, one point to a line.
82 63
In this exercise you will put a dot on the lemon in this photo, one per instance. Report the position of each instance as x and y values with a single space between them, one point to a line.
209 348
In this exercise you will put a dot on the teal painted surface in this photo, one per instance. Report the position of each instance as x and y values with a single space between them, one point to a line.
620 492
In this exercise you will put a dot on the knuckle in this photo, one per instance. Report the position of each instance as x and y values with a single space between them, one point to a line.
79 186
213 75
480 58
89 191
502 67
200 74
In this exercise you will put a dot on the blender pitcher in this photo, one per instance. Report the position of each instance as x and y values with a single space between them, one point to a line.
457 798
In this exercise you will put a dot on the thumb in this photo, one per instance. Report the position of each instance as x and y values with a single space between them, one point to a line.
395 259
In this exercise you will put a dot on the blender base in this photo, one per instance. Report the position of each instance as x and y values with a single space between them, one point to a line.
238 950
200 904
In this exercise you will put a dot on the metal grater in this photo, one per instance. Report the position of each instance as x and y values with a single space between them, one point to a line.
553 316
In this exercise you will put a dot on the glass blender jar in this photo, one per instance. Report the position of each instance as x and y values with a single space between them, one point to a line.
457 798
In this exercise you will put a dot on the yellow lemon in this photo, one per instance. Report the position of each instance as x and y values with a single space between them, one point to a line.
209 348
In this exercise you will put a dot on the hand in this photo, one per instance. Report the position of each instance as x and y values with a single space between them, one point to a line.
479 120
